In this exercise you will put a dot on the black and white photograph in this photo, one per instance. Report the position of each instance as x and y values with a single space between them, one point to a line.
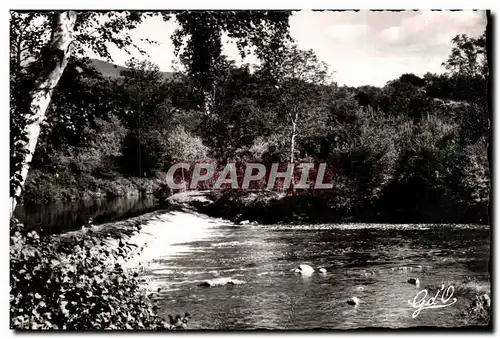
250 170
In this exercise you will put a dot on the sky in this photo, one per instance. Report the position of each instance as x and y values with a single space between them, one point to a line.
361 48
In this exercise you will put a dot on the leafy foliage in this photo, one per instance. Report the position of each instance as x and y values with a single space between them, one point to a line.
75 285
199 37
468 56
416 136
182 146
144 153
479 312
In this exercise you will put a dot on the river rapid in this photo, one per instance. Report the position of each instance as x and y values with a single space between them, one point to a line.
372 262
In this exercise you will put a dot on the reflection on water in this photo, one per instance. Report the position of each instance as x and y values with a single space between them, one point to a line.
59 217
371 262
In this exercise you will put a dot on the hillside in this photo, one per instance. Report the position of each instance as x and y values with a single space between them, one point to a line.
108 69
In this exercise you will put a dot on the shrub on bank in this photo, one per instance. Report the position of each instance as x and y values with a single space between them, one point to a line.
46 188
75 285
479 312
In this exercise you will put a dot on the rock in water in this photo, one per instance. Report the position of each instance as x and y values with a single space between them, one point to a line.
414 281
221 282
322 270
244 222
486 301
304 269
354 301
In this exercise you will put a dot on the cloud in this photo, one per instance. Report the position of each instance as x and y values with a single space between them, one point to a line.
429 29
361 47
376 49
348 32
390 35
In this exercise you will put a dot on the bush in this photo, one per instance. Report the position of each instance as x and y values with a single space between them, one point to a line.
479 311
75 285
262 147
181 145
476 178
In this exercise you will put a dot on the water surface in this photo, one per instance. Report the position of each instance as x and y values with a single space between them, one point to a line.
371 262
66 216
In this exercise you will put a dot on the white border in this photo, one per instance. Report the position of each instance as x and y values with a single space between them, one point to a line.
217 4
256 4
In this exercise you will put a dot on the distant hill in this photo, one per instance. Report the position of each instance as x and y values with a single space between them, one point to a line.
108 69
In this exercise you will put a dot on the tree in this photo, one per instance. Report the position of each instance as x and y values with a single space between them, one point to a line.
407 97
467 68
83 95
183 146
72 33
55 58
236 117
144 95
468 57
143 152
368 96
297 79
43 54
198 42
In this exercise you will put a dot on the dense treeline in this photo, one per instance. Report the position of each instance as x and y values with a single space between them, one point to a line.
412 150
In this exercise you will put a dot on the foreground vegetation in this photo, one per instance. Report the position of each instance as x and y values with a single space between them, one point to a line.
76 284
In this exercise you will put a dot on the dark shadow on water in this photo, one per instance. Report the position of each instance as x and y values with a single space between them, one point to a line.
60 217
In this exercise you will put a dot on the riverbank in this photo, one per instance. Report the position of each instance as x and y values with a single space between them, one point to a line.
76 283
147 252
43 187
62 217
100 266
272 207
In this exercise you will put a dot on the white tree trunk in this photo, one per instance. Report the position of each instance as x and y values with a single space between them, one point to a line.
57 52
292 150
292 143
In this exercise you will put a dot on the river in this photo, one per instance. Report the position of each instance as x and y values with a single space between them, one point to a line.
372 262
66 216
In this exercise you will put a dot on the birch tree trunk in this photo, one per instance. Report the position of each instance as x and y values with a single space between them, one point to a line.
55 58
292 150
292 142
